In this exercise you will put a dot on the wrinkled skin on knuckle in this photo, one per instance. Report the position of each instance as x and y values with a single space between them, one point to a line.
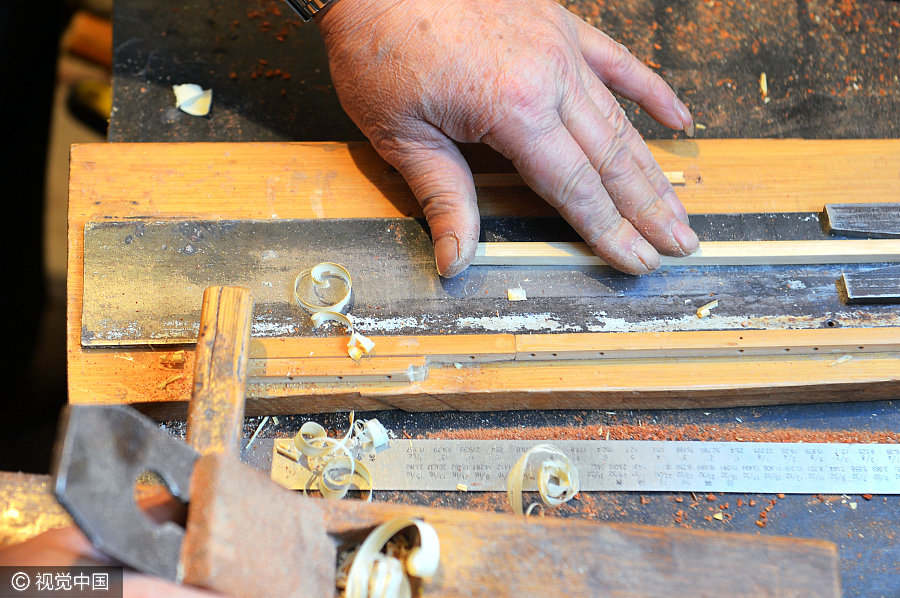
390 137
620 58
462 69
603 224
619 121
573 191
614 161
657 87
439 204
647 213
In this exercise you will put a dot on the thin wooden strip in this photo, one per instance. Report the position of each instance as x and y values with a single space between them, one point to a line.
340 370
467 348
482 348
706 343
720 253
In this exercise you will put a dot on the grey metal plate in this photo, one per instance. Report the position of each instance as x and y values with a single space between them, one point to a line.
873 220
873 286
143 282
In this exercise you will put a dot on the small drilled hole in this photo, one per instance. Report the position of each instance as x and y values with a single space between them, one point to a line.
553 354
534 354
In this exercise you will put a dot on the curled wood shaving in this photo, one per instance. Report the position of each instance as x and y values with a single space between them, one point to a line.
165 383
379 575
370 435
335 463
557 478
321 275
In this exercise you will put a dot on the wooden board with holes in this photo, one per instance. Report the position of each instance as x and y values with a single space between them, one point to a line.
271 181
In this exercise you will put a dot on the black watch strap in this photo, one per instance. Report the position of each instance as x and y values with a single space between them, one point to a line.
307 9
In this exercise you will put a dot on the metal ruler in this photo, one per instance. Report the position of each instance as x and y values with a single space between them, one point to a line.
634 465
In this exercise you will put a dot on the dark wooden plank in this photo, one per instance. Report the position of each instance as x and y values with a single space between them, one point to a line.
586 558
872 286
578 558
872 220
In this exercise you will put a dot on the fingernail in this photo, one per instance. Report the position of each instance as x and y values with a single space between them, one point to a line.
643 251
687 122
685 237
446 252
676 206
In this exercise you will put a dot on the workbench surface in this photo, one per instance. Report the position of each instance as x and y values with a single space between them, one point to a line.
832 72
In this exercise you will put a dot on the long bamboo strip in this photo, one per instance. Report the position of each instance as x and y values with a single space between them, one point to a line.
718 253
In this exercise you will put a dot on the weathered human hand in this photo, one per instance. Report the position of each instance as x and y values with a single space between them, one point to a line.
531 80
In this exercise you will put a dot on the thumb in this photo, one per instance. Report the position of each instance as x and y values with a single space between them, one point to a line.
440 179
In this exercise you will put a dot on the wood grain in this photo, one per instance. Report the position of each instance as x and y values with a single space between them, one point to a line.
714 253
216 412
600 559
707 343
304 352
468 348
613 384
334 180
338 369
632 560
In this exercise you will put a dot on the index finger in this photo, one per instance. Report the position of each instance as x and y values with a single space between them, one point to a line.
628 76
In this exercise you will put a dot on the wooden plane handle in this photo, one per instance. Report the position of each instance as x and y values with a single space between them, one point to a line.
216 410
507 556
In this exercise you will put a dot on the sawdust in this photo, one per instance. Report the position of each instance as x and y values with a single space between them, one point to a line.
718 432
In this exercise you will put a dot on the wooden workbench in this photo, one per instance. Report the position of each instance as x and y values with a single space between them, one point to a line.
330 180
